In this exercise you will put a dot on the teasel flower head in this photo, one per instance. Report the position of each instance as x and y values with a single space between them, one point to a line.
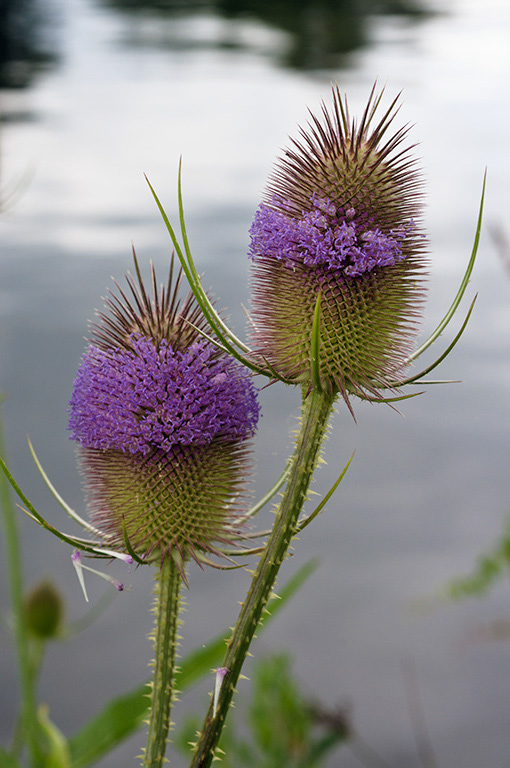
162 419
339 229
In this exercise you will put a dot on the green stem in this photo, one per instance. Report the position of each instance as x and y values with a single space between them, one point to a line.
30 723
315 416
168 584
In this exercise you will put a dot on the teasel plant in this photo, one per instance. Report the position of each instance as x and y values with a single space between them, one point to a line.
163 420
339 271
164 409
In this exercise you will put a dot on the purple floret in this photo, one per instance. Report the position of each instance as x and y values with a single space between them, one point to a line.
140 399
322 237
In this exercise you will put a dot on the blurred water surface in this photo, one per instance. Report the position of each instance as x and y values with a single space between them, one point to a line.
118 89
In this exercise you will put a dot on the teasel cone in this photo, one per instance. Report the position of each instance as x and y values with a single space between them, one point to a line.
341 221
163 421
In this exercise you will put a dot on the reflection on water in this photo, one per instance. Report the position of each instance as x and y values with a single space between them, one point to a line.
318 34
24 44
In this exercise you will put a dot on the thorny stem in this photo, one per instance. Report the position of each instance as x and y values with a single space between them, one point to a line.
168 584
30 724
316 410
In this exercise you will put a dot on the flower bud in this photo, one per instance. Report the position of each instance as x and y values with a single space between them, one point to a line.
340 221
162 418
44 611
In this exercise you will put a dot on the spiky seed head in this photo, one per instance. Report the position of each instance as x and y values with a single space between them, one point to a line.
341 218
162 419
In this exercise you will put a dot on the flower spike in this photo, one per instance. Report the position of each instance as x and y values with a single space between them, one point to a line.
162 419
340 221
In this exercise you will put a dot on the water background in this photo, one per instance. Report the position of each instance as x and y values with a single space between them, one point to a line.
125 91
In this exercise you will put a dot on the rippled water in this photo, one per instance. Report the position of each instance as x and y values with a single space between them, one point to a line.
426 493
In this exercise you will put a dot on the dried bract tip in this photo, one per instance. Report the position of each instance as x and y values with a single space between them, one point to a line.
340 219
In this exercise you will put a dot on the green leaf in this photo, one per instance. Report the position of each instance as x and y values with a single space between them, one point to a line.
227 338
463 285
418 376
280 723
125 714
118 720
57 755
7 760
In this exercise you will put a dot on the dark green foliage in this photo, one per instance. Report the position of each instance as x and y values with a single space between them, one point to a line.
281 727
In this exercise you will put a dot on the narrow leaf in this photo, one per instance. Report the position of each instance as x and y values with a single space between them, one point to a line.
74 515
315 346
418 376
38 518
269 495
118 720
465 280
224 328
326 498
224 334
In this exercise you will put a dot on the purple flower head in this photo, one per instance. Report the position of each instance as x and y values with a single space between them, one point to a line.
340 219
163 419
322 238
143 399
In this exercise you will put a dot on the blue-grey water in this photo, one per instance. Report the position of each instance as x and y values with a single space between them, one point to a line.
126 92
